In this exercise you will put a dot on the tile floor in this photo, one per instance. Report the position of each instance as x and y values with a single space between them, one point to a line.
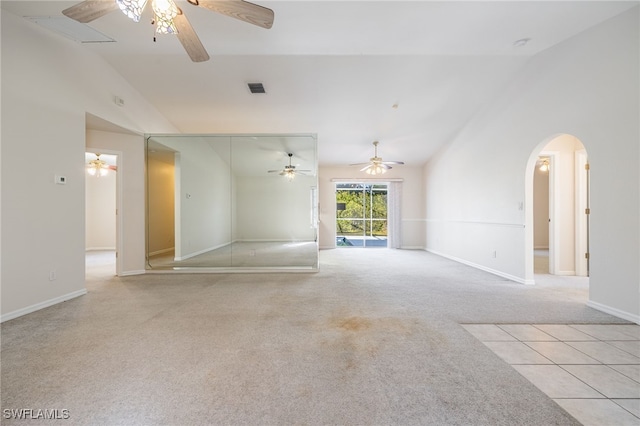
590 370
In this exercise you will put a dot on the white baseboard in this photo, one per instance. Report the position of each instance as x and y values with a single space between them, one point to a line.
199 252
615 312
42 305
272 240
167 250
483 268
412 248
134 272
566 273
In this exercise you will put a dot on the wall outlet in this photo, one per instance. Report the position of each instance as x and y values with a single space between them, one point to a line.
53 276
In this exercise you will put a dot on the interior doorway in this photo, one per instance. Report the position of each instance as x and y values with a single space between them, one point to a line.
541 215
361 214
558 236
101 206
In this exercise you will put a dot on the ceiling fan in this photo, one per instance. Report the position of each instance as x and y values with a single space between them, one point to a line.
289 171
169 18
375 165
98 167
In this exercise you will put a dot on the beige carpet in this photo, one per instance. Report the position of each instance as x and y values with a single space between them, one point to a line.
374 338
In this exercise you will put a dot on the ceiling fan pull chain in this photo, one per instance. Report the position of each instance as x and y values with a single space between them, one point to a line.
153 24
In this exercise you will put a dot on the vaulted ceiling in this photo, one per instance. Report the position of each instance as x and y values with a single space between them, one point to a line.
407 73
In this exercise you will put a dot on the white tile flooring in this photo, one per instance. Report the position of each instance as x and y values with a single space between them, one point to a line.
590 370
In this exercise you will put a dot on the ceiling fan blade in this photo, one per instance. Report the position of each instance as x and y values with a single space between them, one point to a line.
365 168
359 164
189 39
89 10
274 171
239 9
392 162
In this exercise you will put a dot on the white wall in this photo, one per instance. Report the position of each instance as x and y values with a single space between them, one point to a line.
412 209
100 212
587 87
50 83
274 209
203 200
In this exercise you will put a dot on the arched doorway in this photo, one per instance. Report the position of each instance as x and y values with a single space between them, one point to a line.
557 213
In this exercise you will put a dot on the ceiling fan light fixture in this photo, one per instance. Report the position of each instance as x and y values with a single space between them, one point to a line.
290 174
165 26
376 166
544 165
164 9
97 167
376 169
132 8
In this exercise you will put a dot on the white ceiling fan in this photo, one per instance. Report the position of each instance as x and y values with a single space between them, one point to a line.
169 18
289 171
376 166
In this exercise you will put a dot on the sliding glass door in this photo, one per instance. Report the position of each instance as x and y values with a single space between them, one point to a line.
361 214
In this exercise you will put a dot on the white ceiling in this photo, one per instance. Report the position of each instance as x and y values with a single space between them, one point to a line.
336 68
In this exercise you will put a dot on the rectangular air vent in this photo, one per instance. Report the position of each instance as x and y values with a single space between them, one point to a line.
256 88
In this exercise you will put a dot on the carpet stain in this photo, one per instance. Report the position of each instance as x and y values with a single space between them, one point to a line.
353 324
383 324
361 340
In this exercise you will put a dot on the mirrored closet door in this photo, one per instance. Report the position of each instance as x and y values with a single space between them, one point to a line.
231 202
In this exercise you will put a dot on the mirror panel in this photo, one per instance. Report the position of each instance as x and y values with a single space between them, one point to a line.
225 202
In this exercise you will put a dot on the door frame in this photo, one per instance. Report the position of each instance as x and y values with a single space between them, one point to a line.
119 227
554 206
582 212
363 182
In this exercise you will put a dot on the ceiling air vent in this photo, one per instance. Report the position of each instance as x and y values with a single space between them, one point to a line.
256 88
69 28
